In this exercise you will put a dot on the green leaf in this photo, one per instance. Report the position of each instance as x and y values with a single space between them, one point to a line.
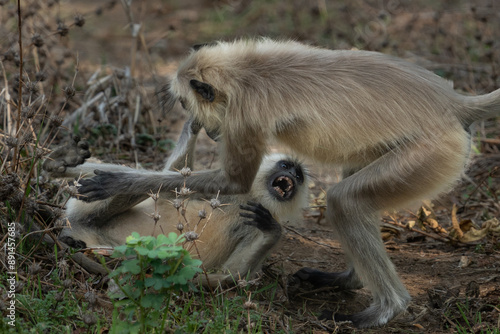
174 238
161 268
162 240
153 254
132 266
142 251
152 300
155 282
119 251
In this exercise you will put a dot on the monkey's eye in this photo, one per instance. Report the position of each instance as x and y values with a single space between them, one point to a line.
284 165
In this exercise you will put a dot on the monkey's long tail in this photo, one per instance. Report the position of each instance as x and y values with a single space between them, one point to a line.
481 107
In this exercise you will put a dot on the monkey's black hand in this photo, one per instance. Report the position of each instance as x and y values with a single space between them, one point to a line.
260 217
73 154
315 277
101 186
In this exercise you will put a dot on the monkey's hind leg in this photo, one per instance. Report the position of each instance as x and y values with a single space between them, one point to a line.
406 174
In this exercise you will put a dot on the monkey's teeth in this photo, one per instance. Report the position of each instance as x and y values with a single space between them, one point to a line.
283 185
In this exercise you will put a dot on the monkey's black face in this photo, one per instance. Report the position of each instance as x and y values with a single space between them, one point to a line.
284 182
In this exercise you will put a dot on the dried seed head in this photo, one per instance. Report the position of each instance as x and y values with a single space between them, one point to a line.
79 20
19 286
242 283
40 76
57 212
62 29
39 153
60 223
154 196
69 92
91 297
191 236
9 184
71 190
27 138
59 297
28 112
185 191
11 142
30 206
9 55
177 203
67 283
180 227
63 264
156 217
37 40
215 203
250 305
186 171
119 74
202 214
56 121
89 319
32 88
34 268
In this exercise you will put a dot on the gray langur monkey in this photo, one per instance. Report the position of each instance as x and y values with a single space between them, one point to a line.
233 242
400 132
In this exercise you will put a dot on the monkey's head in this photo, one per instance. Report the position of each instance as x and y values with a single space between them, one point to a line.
199 97
281 185
210 80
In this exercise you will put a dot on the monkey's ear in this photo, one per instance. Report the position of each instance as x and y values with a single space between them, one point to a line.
206 91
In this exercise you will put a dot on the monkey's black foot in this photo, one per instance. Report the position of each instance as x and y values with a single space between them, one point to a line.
346 280
73 154
260 217
103 185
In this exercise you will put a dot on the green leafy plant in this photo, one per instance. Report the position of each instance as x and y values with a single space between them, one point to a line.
154 270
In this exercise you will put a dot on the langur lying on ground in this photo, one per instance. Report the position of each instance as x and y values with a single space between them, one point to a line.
234 241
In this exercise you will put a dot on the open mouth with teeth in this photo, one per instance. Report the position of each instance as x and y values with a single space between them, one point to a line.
284 187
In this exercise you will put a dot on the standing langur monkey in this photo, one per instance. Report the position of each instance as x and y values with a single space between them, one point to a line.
234 241
400 132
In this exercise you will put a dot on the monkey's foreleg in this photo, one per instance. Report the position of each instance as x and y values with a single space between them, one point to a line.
183 154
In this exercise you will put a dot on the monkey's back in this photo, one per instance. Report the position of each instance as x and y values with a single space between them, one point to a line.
353 100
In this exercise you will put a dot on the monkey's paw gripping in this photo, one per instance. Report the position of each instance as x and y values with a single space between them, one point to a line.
260 217
103 185
73 154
